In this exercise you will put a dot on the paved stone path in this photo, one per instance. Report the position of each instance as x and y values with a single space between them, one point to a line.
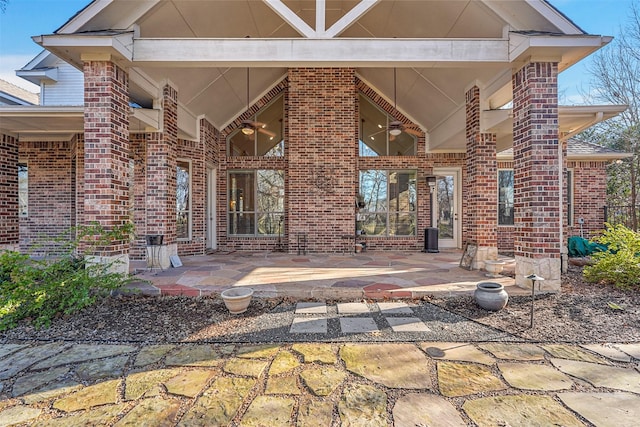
320 384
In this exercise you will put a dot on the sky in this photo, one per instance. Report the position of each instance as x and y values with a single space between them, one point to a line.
23 19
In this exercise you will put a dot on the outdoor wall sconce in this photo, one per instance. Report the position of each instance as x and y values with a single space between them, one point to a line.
431 182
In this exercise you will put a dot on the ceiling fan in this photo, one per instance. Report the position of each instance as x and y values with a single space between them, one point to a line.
396 127
249 127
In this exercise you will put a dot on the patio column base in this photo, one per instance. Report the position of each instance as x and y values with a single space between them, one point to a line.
15 247
119 263
548 268
484 253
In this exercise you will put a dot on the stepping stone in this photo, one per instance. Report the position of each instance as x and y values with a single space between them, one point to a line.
353 308
464 352
529 376
269 411
311 308
632 350
358 325
407 324
608 351
422 409
394 308
625 379
605 409
363 405
457 379
304 325
219 404
316 352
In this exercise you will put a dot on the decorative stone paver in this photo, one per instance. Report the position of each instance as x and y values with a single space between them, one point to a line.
15 415
422 409
151 412
24 358
269 411
353 308
152 354
304 325
36 380
622 409
463 352
311 308
194 355
315 413
570 352
141 384
322 353
363 405
358 325
282 385
83 352
246 368
394 308
189 383
457 379
394 365
534 377
519 410
219 404
632 350
103 368
522 352
95 395
317 384
625 379
283 362
322 381
407 324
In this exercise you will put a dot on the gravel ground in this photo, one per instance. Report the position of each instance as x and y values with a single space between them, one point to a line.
581 313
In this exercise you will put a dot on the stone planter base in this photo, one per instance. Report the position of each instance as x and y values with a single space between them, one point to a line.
237 299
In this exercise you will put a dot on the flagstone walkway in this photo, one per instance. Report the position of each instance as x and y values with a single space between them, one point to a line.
319 384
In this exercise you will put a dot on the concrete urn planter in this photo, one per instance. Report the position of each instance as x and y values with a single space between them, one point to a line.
237 299
491 296
493 267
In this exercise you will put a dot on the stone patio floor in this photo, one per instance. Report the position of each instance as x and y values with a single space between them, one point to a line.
371 274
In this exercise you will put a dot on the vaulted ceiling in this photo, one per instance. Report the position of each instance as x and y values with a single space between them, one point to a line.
438 47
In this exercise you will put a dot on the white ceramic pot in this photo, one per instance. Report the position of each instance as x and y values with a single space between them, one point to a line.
237 299
493 267
491 296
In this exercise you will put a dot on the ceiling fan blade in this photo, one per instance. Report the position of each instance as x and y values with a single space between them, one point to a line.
392 137
266 132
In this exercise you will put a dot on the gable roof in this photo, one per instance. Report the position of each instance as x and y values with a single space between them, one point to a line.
439 49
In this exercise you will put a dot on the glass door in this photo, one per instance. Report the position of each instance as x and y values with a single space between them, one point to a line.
447 202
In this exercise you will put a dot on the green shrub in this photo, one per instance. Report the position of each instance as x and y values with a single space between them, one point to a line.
41 289
620 264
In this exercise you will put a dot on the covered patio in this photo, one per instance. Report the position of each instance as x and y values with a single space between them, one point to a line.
373 274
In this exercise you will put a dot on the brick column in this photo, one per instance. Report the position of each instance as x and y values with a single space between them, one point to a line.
537 169
161 177
9 219
322 152
106 154
481 215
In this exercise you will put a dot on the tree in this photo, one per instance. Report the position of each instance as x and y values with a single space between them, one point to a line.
615 72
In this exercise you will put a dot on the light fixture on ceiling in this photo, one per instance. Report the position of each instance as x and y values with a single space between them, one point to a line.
247 129
394 129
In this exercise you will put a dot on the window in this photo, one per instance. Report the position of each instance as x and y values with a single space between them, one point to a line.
256 203
375 140
183 200
390 203
505 197
23 190
267 137
569 196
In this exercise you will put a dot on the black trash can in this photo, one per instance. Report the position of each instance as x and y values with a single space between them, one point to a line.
431 240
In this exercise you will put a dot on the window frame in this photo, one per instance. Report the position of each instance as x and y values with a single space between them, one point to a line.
255 212
512 216
389 213
23 213
254 118
189 202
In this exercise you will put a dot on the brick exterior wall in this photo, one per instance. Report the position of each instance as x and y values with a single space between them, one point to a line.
9 223
480 217
106 154
51 211
589 197
536 169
